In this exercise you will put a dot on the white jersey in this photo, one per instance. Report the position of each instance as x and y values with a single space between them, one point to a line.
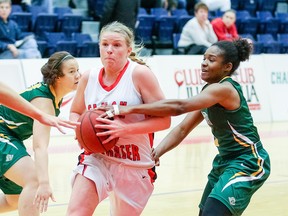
131 150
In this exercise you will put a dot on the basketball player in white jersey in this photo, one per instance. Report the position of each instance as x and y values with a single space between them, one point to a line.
125 172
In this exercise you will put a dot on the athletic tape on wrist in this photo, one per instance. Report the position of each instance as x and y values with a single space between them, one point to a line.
116 110
109 114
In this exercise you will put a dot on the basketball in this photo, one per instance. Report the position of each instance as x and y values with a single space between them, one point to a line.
86 133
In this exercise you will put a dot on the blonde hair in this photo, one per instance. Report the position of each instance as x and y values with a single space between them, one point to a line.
128 35
6 1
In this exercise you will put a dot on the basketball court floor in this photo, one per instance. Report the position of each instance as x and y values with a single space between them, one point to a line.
181 175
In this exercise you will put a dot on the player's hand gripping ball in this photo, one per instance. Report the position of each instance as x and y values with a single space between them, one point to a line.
86 133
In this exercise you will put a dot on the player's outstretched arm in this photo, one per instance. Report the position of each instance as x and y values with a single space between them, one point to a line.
11 99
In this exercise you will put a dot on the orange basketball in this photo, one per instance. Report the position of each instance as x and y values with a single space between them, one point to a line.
86 133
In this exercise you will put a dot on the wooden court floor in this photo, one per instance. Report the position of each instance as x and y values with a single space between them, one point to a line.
182 175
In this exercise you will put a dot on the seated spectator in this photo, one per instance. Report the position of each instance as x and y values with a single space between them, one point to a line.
197 34
222 5
14 44
225 27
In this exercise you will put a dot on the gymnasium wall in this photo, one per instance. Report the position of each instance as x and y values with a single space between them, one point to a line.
264 80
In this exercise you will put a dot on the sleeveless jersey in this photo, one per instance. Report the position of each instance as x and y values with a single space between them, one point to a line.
131 150
234 131
21 126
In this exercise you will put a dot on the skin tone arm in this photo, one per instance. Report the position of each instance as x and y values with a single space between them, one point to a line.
13 50
41 137
177 135
222 93
144 80
13 100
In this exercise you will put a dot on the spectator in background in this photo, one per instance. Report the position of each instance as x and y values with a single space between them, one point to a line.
116 10
13 44
225 27
197 34
170 5
190 4
222 5
148 4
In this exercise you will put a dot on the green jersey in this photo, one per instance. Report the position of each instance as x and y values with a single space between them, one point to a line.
234 131
18 125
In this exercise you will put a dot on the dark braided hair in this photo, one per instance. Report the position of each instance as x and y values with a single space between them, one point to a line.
234 51
52 69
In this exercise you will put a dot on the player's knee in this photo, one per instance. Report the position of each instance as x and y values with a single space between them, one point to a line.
12 202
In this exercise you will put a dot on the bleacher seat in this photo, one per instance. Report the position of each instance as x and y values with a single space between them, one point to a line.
23 19
241 15
164 29
179 12
35 10
144 29
267 23
177 50
270 45
142 11
268 5
70 23
52 38
89 49
16 8
180 22
248 25
66 45
81 38
283 39
95 8
181 4
60 11
45 22
283 19
235 4
158 12
42 47
249 5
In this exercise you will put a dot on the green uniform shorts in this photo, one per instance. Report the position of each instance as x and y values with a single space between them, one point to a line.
234 181
11 150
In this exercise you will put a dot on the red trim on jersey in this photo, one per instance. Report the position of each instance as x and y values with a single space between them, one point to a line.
152 172
151 139
109 88
85 167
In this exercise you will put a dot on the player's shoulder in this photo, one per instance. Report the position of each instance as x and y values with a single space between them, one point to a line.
141 68
92 71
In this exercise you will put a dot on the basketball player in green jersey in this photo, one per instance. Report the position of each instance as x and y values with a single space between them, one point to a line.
242 165
24 182
11 99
